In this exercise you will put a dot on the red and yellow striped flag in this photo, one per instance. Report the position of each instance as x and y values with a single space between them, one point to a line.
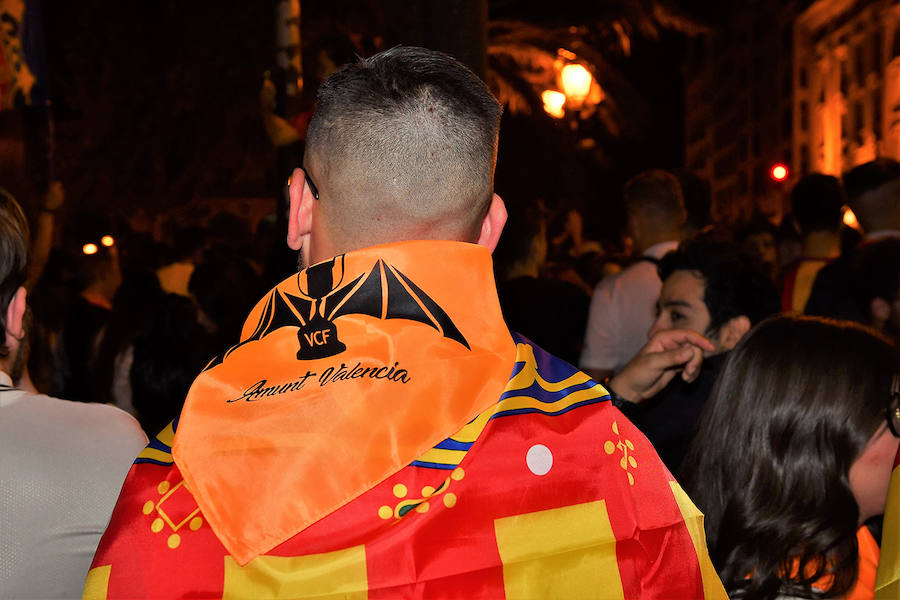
280 479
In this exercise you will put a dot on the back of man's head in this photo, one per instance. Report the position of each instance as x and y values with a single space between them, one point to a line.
873 192
697 195
14 241
816 203
401 146
734 285
877 281
655 197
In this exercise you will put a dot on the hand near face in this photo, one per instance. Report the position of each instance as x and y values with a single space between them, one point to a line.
665 355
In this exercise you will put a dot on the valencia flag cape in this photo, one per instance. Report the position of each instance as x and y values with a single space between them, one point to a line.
378 433
887 582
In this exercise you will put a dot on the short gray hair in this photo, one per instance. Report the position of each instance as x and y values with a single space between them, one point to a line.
403 145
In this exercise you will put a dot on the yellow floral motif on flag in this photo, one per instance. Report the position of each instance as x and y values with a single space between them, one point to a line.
176 517
423 504
624 446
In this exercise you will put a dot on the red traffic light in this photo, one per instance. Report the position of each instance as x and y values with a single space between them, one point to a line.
779 172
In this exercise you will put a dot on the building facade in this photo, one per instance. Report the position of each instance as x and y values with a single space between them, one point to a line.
813 85
738 103
846 84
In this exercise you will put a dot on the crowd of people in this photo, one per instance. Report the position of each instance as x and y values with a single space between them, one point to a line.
407 417
770 452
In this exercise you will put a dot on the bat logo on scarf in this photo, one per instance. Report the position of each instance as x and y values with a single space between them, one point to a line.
383 292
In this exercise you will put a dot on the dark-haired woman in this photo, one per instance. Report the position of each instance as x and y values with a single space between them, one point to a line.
793 454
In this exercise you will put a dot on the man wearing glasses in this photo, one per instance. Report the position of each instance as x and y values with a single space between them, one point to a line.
378 432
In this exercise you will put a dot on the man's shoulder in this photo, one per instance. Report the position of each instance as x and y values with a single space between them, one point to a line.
637 275
101 419
841 266
831 294
106 417
85 425
545 384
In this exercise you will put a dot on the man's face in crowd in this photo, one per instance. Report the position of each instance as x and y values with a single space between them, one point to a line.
681 305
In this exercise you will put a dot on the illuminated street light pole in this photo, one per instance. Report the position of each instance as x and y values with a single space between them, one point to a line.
580 93
554 103
576 83
578 89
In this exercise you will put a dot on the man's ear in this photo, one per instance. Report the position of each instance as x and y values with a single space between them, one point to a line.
493 224
879 312
731 332
300 215
15 315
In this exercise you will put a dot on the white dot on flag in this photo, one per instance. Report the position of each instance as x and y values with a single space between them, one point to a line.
539 459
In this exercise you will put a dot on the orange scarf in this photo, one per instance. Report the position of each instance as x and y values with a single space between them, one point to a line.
864 588
362 363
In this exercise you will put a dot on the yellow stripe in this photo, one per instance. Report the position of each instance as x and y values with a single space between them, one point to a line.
891 592
154 454
693 518
524 379
520 402
564 553
444 457
887 582
470 432
96 585
167 435
529 374
339 574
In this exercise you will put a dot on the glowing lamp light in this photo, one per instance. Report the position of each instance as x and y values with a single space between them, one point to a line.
89 249
849 218
108 241
554 103
576 82
779 172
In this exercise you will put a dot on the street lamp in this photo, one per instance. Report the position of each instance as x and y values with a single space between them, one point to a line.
576 82
579 94
554 103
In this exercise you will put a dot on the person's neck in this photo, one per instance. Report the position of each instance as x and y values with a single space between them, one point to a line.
523 269
97 296
822 244
645 243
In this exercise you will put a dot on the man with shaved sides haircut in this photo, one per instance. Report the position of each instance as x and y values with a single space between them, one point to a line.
377 431
403 153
